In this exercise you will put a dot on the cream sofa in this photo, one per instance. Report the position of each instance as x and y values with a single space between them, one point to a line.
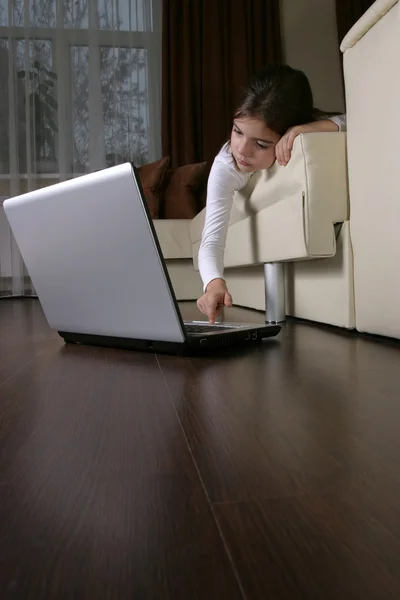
296 216
372 79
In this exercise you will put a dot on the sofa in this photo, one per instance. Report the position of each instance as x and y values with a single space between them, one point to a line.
316 218
295 216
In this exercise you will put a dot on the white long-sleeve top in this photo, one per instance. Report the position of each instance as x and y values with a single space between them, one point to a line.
224 180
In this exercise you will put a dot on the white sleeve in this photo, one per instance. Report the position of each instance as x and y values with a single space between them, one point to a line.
340 121
223 181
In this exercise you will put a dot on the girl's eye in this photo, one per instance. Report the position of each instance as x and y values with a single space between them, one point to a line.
237 131
262 146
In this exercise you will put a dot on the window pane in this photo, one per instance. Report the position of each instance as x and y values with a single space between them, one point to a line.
3 12
76 13
126 15
41 13
35 108
125 104
36 87
35 105
18 13
80 107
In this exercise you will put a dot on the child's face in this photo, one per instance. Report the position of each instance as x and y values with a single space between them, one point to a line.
253 144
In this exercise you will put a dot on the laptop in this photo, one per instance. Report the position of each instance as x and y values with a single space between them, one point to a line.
93 255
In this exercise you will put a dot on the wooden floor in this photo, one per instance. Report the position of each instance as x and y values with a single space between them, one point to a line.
271 473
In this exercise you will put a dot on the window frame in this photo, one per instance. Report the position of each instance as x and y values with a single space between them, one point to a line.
62 40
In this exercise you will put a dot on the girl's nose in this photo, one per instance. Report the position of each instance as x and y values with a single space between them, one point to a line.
244 148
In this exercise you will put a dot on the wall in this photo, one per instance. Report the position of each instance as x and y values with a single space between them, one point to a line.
311 44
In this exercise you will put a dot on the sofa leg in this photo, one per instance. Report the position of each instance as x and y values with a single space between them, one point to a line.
274 281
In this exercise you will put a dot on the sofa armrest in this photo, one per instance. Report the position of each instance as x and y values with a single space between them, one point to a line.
174 238
288 213
364 24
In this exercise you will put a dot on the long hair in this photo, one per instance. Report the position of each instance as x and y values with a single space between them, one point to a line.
281 96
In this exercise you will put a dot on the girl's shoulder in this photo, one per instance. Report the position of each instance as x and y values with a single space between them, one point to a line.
225 155
224 168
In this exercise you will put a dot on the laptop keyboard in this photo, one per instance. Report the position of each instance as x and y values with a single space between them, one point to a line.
204 328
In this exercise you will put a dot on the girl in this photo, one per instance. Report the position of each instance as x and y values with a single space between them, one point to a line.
276 106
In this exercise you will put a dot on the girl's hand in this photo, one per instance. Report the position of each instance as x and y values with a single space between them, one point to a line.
214 299
283 149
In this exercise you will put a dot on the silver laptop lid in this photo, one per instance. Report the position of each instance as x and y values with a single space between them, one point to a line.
88 248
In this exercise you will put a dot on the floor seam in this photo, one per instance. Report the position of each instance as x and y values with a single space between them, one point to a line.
207 496
222 503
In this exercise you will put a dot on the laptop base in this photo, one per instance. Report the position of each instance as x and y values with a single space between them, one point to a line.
194 344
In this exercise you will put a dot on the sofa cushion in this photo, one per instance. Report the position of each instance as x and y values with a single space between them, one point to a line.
181 197
174 238
152 178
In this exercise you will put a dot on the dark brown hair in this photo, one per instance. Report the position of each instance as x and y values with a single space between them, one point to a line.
281 96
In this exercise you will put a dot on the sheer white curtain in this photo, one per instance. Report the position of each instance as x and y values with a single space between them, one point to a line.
80 90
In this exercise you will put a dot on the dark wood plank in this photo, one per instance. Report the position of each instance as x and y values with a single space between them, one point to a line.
292 417
99 494
24 333
335 547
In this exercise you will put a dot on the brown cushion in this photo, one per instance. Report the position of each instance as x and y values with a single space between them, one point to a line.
185 186
152 179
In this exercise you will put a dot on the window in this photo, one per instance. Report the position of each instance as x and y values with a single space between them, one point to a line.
80 84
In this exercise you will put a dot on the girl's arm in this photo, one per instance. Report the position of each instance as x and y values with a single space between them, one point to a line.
340 121
223 181
284 147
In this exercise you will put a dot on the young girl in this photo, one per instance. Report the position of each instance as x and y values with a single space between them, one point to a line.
276 106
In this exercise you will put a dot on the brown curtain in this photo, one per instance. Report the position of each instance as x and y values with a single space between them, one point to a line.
348 12
210 47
